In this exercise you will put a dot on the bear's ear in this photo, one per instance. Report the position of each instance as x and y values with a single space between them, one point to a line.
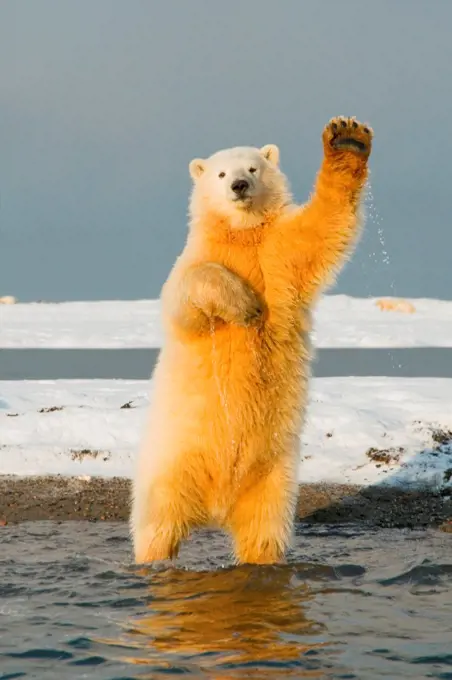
196 168
271 153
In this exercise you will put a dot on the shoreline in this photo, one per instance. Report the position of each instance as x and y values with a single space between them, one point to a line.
57 498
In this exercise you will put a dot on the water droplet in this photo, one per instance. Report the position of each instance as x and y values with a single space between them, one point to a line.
222 393
374 217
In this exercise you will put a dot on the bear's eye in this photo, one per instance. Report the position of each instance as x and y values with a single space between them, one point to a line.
253 169
221 175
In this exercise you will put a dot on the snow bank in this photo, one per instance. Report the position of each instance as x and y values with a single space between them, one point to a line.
360 431
340 321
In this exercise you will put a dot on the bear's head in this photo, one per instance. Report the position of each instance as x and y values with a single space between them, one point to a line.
241 185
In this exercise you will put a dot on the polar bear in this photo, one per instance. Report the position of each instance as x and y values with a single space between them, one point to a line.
221 445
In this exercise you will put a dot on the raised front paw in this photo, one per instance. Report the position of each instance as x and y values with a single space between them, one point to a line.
347 135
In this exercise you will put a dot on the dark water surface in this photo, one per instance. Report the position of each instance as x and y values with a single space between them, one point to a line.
351 603
137 364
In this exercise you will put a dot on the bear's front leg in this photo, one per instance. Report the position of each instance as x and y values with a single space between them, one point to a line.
208 292
327 227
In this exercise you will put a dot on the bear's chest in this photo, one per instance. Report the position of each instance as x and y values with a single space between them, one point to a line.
269 274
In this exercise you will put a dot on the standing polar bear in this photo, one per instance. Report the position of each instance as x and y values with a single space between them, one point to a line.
230 386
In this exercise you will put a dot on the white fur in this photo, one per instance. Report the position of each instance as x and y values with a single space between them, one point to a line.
213 178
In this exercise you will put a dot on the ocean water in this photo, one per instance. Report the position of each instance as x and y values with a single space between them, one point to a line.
350 603
137 364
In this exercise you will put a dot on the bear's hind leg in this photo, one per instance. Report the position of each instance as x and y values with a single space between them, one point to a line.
158 540
160 524
261 523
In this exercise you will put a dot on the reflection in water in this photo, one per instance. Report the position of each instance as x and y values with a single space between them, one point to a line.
226 621
72 605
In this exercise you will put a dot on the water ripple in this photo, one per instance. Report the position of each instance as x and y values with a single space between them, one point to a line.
348 604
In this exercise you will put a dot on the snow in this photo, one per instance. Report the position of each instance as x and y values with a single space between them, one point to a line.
340 321
346 418
92 435
106 324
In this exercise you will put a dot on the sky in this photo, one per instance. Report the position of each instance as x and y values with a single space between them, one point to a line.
104 103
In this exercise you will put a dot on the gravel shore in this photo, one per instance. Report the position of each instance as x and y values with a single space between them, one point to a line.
97 499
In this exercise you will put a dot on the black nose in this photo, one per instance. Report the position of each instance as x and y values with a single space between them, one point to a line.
239 186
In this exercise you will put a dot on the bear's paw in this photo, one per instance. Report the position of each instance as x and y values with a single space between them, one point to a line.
349 135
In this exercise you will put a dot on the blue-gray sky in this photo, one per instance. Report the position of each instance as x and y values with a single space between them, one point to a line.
103 103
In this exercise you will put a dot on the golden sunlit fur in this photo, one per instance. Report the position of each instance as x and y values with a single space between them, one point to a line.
230 386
